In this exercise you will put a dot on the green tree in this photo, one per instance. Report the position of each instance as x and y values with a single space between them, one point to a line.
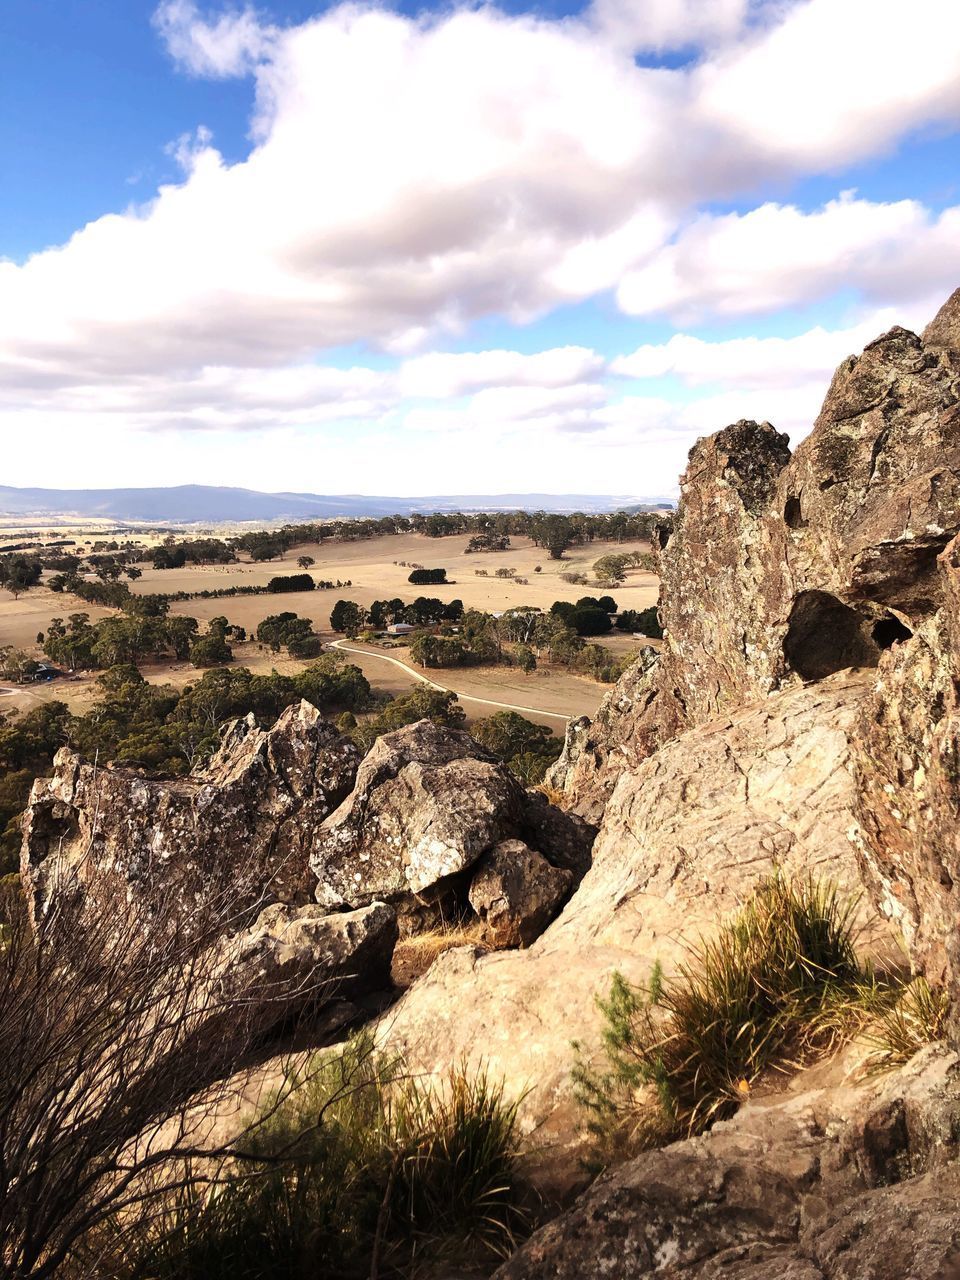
346 617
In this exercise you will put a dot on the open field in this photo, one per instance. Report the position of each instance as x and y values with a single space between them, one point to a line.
369 565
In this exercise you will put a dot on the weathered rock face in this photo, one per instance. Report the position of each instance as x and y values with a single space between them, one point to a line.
516 893
427 805
838 1184
786 569
297 958
687 834
243 826
908 767
628 727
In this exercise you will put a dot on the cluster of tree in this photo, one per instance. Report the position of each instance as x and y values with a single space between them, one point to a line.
350 618
421 703
174 555
18 573
287 631
425 577
528 749
582 527
590 616
82 645
491 541
291 582
644 622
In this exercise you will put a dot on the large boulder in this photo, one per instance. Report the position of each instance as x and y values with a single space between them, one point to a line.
516 893
428 803
294 959
845 1183
243 826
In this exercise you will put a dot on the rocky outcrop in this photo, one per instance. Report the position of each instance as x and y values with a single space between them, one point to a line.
783 569
687 834
427 805
244 826
908 768
845 1183
516 893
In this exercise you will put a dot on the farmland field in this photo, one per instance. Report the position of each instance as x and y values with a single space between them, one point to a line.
372 569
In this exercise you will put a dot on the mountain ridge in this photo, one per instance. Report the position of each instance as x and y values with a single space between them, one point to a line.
201 503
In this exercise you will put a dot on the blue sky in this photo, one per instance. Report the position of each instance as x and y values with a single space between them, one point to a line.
465 249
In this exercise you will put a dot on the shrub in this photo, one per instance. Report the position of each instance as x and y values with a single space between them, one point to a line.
292 582
360 1169
780 982
423 576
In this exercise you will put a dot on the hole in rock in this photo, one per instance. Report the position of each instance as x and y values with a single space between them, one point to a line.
888 630
825 635
793 514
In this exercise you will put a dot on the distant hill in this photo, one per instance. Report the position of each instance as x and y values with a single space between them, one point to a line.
198 503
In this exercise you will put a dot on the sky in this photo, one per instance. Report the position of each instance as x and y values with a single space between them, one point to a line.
353 248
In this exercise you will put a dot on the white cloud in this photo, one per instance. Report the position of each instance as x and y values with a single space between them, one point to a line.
411 176
836 80
777 256
668 24
231 44
447 375
754 363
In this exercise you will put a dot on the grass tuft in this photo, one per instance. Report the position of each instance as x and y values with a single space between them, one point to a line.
779 985
915 1016
356 1171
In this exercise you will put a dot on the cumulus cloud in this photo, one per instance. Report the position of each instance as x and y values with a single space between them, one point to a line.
229 44
411 176
778 256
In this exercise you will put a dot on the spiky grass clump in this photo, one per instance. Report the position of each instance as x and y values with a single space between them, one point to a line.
359 1171
905 1021
779 983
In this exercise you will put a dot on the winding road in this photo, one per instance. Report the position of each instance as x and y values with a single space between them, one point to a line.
464 697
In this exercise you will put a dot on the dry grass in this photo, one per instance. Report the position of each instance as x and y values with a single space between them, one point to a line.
778 986
413 956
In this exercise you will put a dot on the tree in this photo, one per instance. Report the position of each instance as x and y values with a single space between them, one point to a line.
611 569
305 562
19 573
422 577
346 617
555 533
16 665
210 650
591 622
525 659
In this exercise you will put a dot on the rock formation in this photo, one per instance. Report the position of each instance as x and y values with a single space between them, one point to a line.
838 1183
243 826
427 805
